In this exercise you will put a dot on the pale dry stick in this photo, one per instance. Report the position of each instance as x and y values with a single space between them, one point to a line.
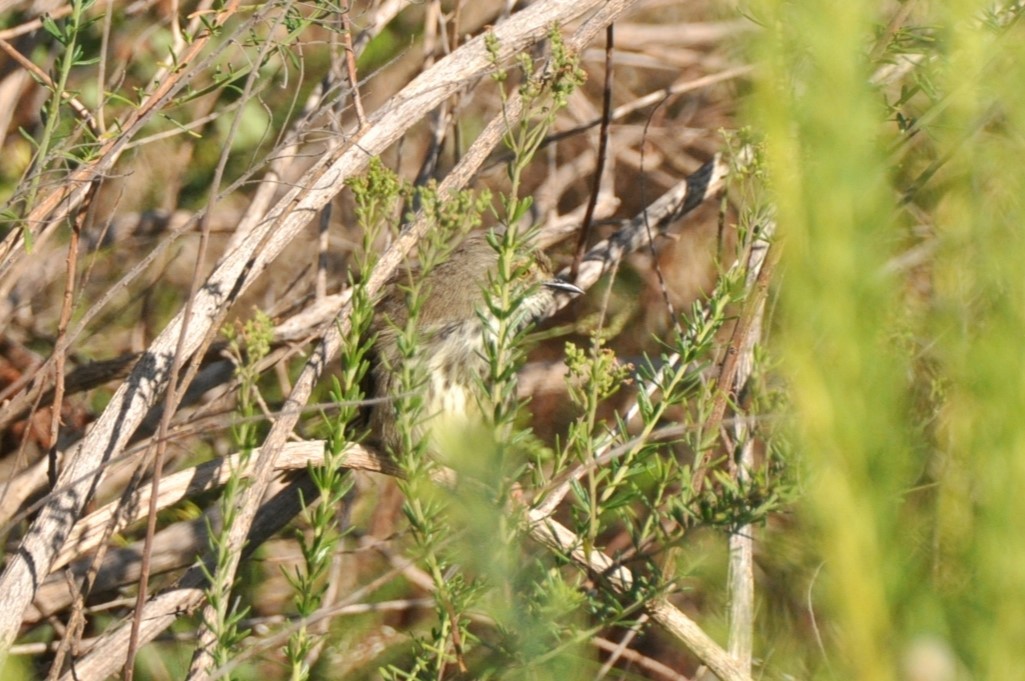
176 547
196 19
323 243
324 222
724 382
603 145
689 33
740 579
642 661
559 538
385 12
196 123
558 180
468 62
440 118
176 389
60 349
107 655
71 633
89 531
559 227
741 564
177 40
634 233
619 650
11 84
293 456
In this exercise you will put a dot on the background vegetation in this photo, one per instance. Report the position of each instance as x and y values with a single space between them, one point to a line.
788 422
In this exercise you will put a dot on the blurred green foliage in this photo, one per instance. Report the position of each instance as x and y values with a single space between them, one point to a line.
893 150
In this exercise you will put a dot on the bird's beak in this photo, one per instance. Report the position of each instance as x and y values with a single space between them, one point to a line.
564 286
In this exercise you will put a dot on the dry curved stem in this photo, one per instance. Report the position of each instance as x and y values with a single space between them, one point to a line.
34 24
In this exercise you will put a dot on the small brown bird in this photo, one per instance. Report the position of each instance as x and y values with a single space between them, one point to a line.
450 327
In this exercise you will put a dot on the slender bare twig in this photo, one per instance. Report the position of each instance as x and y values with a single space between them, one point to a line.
725 381
642 661
76 622
350 64
624 110
603 144
741 572
61 346
620 650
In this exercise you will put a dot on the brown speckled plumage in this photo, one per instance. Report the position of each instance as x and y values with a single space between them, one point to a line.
450 334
